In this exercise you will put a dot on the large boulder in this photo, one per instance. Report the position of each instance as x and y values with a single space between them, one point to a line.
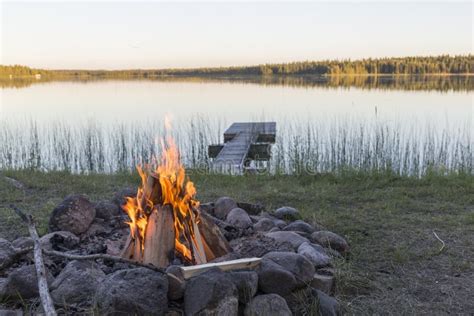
298 265
75 214
273 278
223 206
77 283
287 213
239 218
7 252
246 283
331 240
299 226
139 291
22 283
291 237
267 305
211 293
312 252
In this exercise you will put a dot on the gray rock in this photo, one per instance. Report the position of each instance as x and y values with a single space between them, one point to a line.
264 224
267 305
22 283
257 246
323 282
273 278
223 206
274 229
317 258
76 283
120 197
287 213
211 293
7 252
328 306
23 243
252 209
138 291
331 240
298 265
293 238
107 210
299 226
176 283
75 214
239 218
302 302
246 283
279 223
63 238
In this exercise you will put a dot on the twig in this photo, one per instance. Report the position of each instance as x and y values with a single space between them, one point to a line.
102 256
442 242
46 300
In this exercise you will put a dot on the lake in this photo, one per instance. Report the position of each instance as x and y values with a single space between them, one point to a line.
420 124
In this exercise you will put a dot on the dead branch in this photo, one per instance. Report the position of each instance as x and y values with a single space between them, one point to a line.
442 242
101 256
46 300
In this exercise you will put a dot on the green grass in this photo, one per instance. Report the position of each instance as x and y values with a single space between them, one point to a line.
395 266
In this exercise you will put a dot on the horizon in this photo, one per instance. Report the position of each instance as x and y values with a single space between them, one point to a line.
126 36
235 66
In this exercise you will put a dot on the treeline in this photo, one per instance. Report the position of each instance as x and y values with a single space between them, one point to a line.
445 64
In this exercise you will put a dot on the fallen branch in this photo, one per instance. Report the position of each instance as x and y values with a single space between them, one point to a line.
101 256
442 242
46 300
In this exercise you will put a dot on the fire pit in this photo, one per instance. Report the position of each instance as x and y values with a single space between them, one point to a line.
170 254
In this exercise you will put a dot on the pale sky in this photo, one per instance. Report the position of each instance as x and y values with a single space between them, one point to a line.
113 35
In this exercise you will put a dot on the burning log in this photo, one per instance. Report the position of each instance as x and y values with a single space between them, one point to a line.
164 218
215 244
159 237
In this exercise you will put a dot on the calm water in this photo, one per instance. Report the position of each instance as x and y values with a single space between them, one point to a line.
109 104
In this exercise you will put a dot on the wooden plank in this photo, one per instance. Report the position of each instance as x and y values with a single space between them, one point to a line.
246 263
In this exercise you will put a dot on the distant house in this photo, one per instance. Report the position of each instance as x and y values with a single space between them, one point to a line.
38 76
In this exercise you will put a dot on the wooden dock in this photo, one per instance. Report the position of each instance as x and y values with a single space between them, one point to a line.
243 142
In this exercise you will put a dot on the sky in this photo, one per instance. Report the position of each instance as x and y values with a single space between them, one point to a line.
126 34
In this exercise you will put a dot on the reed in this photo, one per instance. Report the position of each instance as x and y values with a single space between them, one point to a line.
333 145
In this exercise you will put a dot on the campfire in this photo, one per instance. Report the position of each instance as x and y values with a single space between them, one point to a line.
165 220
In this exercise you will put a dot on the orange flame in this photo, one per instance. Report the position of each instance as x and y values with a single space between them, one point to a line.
178 192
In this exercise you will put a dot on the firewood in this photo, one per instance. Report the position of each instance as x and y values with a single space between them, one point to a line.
45 297
215 244
159 237
152 192
132 248
246 263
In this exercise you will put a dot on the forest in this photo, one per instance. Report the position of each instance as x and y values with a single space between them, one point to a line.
444 64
